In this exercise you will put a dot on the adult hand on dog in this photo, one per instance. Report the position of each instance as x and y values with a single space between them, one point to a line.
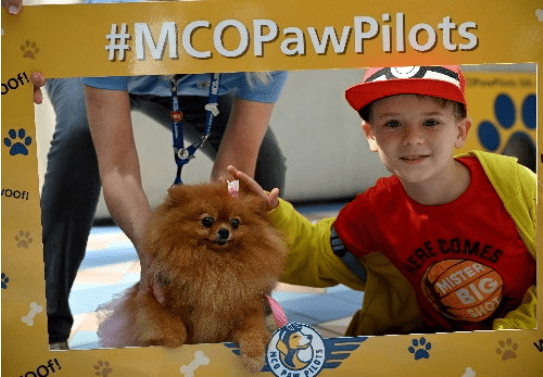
271 198
15 7
150 280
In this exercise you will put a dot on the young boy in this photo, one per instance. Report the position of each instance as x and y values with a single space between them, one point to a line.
443 244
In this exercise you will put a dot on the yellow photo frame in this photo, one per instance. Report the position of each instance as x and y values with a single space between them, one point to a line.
261 35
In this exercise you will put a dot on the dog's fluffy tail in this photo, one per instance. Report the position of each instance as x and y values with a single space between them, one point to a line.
115 320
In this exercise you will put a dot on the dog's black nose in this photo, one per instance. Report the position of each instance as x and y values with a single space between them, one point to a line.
223 233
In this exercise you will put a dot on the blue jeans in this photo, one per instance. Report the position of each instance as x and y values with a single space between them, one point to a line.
72 186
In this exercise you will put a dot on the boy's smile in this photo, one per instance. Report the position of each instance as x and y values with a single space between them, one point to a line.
413 160
415 137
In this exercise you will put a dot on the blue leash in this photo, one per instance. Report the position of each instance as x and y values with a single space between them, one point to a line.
183 155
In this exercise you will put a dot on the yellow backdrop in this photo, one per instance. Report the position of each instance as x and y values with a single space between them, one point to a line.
218 36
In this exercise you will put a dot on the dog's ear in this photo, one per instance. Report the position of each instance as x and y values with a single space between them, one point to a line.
282 347
178 194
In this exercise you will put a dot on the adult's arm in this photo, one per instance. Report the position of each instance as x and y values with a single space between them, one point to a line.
242 138
113 138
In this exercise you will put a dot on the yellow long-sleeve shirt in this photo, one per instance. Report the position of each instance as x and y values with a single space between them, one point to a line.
390 304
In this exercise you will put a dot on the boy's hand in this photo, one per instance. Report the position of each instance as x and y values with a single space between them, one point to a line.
271 198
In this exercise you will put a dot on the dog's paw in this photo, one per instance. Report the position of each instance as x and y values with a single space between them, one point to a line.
252 343
161 337
253 364
169 342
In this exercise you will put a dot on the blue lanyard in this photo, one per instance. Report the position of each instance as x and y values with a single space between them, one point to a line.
183 156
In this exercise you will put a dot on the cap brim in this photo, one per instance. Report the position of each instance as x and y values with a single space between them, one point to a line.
363 94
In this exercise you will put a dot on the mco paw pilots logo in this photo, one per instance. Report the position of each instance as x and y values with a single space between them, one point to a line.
298 350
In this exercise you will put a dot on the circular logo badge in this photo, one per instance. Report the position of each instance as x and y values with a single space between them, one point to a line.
404 72
296 349
463 290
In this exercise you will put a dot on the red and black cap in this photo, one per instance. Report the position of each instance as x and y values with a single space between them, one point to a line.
444 81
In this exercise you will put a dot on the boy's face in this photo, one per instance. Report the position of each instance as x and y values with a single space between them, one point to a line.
415 136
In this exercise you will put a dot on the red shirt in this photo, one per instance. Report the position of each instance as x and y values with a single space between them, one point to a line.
465 259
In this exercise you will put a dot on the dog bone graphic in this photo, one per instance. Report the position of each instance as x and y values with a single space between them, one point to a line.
199 360
35 308
539 14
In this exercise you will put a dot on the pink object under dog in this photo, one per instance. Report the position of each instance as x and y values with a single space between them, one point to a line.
278 313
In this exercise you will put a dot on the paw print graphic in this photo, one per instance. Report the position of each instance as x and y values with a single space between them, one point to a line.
102 369
30 50
420 348
507 349
519 144
5 281
17 142
23 239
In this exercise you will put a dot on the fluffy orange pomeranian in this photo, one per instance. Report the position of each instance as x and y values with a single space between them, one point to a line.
219 257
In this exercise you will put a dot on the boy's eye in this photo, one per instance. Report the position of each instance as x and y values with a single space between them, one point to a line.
235 223
208 221
431 123
392 124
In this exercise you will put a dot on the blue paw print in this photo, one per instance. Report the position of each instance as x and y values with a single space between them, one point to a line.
5 281
19 146
420 348
489 133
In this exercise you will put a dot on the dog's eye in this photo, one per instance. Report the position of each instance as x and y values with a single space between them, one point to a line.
208 221
235 223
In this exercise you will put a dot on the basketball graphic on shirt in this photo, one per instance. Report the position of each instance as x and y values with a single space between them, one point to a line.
462 289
